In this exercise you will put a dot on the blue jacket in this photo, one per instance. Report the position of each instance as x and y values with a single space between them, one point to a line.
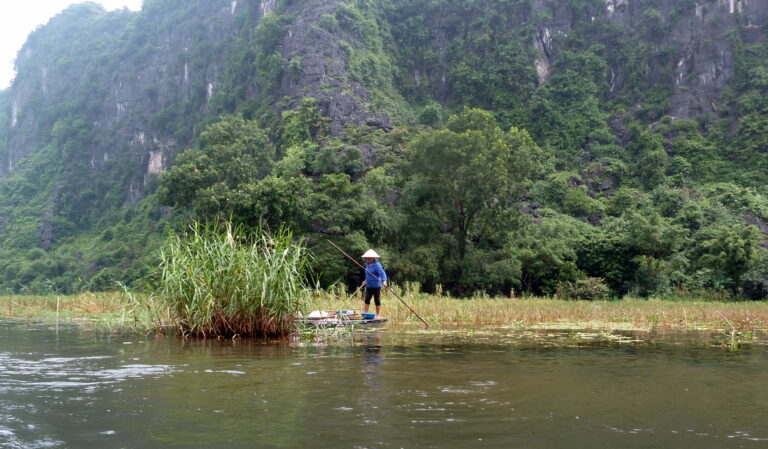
378 270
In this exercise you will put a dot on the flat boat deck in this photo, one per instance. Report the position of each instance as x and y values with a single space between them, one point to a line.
344 322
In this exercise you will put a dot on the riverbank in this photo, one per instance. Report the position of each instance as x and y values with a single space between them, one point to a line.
105 306
628 313
453 313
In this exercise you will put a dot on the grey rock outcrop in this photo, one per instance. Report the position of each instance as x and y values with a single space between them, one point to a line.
323 70
701 34
705 63
184 64
127 100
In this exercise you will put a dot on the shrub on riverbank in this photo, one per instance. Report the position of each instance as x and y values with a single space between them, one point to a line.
232 283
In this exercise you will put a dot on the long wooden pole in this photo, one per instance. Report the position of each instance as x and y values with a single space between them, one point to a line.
426 325
353 294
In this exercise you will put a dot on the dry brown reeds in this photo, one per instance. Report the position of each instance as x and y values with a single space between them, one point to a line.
447 312
630 313
82 305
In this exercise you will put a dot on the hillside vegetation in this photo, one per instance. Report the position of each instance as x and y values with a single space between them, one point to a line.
579 148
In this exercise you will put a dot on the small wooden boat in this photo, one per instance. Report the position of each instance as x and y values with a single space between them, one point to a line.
341 318
333 322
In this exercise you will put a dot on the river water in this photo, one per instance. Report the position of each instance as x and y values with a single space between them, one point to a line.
71 387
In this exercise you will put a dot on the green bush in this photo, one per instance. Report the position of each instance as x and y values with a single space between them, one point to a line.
232 283
328 22
589 289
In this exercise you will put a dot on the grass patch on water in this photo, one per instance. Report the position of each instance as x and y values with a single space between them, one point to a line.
233 283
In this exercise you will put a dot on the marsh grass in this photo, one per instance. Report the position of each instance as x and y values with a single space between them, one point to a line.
133 311
233 283
629 313
107 305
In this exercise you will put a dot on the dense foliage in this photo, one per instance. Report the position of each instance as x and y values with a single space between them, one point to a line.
474 208
573 181
233 283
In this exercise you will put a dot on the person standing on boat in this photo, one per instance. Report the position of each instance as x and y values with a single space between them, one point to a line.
375 277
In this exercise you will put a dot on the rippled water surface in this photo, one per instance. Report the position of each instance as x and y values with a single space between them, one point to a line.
78 388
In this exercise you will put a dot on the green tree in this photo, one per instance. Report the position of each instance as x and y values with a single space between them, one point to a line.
547 252
465 180
211 179
302 124
731 252
565 112
619 251
651 159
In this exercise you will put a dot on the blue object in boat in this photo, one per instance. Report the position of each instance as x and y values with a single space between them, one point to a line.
368 316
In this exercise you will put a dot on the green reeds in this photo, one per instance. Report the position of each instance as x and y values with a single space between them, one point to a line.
233 283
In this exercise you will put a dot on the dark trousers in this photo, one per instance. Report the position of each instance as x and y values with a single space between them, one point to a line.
375 293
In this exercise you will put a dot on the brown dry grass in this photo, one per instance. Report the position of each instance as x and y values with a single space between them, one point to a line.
626 313
83 305
446 312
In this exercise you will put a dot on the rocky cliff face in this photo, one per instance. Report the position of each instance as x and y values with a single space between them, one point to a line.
322 69
104 101
126 96
698 35
130 76
134 67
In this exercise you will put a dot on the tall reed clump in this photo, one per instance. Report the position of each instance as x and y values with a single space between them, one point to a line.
228 282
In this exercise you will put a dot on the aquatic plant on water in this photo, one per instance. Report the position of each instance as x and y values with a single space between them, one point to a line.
229 282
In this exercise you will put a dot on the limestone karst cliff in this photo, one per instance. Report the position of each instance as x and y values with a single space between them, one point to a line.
103 102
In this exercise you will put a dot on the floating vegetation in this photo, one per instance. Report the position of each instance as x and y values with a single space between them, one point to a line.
233 283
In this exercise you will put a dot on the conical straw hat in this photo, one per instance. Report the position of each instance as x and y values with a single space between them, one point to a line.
370 254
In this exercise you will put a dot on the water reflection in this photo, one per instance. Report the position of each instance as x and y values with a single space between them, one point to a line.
373 396
82 388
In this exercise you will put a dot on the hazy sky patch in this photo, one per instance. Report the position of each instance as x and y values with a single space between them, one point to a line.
19 18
